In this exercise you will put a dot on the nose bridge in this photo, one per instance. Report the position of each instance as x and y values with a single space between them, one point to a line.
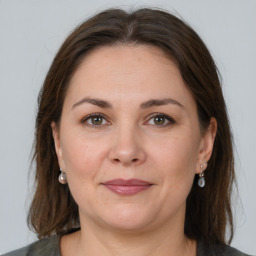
127 147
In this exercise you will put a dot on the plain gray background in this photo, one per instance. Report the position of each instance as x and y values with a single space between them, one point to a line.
31 31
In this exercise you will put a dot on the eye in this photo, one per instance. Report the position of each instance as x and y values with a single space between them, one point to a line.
95 120
161 120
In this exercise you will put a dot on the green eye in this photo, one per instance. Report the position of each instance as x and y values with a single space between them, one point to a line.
159 120
96 120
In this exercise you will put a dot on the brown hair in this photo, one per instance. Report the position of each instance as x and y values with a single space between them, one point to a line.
208 210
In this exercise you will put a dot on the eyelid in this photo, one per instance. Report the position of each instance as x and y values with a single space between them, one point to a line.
169 118
84 119
149 117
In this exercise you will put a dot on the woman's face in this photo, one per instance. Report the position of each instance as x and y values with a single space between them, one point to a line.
129 139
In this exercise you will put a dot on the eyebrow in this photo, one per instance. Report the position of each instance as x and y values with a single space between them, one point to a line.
97 102
160 102
147 104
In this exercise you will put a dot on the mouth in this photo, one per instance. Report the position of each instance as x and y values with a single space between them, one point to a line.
127 187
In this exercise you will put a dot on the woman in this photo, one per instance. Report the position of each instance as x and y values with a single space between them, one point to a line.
133 146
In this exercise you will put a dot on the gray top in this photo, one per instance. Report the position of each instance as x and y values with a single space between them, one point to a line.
50 247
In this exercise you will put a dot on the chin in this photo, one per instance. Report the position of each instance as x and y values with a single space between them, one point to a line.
128 219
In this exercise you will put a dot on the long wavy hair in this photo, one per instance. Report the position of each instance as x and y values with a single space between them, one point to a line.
208 210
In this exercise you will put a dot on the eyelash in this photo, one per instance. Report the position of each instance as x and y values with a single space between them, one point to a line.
154 115
168 118
85 119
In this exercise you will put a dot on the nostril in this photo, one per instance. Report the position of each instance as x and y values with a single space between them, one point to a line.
118 160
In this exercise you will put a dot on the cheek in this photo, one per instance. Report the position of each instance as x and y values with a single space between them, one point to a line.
82 157
177 158
83 160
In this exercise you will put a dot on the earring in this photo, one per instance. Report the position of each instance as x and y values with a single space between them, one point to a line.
62 177
201 180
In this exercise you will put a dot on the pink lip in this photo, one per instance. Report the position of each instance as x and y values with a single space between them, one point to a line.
127 187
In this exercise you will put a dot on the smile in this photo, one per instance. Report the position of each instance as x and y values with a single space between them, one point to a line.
127 187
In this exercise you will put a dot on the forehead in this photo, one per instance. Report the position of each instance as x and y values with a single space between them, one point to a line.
128 72
110 61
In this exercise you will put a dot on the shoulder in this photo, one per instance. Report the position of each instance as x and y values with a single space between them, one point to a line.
44 247
218 250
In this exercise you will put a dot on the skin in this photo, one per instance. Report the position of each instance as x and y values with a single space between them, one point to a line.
128 142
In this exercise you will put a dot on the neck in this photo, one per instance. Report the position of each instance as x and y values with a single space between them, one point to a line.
135 244
165 240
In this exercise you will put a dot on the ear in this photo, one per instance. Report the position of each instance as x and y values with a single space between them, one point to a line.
206 145
58 149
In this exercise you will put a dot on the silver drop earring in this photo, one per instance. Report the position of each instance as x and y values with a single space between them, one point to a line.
62 177
201 180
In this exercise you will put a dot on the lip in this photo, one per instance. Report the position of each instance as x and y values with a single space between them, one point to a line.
127 187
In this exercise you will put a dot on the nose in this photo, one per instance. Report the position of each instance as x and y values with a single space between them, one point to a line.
127 148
